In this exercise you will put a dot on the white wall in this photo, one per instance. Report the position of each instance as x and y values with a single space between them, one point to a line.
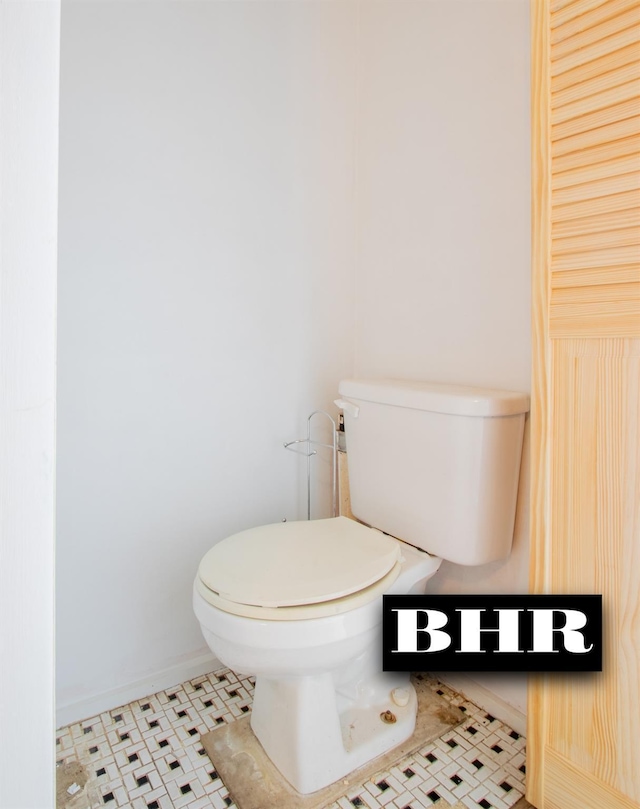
29 61
443 208
205 305
226 168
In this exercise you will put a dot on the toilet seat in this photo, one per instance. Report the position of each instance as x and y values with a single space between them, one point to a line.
299 568
303 612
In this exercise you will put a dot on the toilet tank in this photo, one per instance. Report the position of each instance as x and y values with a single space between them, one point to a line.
435 465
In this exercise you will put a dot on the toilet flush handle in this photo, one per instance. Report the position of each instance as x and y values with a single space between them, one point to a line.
347 407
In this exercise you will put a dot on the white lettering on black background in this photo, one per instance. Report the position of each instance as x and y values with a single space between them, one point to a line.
492 633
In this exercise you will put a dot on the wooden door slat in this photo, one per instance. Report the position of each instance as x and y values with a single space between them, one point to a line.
618 130
598 84
597 50
594 34
605 257
596 68
572 9
590 320
602 187
596 120
595 241
598 101
628 200
620 164
597 12
615 220
596 277
606 294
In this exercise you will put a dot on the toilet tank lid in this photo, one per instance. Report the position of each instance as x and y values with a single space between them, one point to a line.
434 397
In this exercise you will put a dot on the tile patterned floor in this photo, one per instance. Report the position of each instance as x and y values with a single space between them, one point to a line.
147 755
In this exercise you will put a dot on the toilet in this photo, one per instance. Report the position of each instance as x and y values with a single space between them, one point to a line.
433 475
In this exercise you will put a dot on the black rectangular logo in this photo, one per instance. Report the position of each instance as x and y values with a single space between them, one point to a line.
492 633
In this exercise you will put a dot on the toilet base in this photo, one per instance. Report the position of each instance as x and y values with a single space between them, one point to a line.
314 734
319 685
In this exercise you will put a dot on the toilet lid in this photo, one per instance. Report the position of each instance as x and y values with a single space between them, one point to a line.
295 563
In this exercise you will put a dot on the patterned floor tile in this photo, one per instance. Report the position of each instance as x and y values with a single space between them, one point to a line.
148 755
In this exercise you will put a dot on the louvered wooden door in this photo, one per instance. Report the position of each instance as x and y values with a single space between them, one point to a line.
583 731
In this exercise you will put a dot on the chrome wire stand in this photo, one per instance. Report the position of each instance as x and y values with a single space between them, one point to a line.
303 446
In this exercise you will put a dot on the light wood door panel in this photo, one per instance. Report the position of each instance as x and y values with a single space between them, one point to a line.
584 16
583 751
598 68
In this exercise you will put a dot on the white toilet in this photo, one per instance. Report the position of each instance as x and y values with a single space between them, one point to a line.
433 473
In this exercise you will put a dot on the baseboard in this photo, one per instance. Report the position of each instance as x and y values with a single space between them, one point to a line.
486 699
77 710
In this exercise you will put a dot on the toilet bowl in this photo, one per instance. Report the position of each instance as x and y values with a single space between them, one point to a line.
434 468
320 691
